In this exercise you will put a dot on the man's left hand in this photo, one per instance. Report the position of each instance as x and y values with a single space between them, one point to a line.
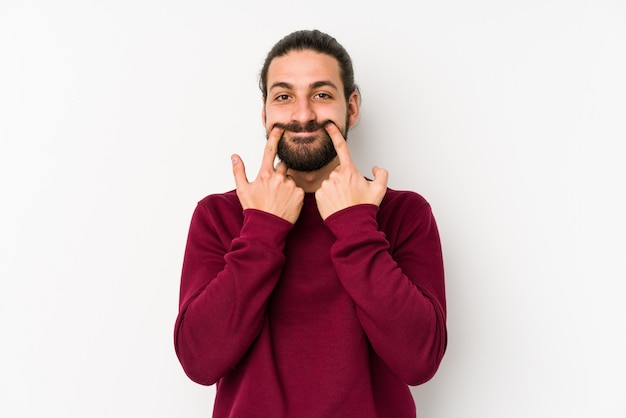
346 186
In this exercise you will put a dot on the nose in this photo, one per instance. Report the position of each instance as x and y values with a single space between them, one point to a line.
303 111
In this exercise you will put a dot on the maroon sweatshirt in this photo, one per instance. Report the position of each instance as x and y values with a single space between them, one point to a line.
319 319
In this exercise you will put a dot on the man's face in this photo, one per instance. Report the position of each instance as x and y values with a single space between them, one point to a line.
305 92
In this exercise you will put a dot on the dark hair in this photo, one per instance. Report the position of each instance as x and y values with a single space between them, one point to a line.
317 41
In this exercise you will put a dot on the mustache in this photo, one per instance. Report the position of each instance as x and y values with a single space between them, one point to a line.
311 126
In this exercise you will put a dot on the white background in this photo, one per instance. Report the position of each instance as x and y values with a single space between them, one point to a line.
508 116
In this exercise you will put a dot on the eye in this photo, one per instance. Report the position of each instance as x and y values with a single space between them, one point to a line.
281 97
323 96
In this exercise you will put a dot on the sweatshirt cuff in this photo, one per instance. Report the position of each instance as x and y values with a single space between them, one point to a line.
354 220
264 228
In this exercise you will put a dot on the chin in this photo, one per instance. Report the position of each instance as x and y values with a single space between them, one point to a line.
306 157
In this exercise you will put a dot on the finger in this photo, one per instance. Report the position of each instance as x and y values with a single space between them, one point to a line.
281 168
239 171
339 143
381 176
271 147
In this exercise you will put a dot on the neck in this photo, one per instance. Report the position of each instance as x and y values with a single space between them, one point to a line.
310 181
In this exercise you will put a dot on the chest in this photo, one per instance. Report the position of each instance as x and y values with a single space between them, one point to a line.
309 283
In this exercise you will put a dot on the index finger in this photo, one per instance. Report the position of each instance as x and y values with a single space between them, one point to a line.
339 143
271 148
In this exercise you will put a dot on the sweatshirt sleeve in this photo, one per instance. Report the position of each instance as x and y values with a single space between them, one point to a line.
398 289
232 263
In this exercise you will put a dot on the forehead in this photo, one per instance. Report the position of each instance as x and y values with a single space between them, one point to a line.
303 68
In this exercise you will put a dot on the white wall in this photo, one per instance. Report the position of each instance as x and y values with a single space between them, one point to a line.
508 116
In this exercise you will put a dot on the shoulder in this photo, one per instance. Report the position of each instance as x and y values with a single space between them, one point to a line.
402 200
219 209
407 216
220 201
403 208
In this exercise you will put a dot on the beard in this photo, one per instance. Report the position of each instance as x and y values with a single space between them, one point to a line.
307 153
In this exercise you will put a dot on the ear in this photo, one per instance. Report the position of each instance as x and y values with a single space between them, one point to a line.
263 115
353 108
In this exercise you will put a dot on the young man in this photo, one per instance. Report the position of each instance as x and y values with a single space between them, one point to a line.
311 291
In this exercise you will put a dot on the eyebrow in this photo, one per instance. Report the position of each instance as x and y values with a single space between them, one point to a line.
315 85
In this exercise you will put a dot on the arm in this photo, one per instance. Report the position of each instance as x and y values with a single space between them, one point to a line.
398 292
225 286
232 263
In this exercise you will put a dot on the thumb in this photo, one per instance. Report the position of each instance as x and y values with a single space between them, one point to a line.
381 175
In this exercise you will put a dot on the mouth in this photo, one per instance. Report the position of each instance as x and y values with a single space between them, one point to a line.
302 137
299 129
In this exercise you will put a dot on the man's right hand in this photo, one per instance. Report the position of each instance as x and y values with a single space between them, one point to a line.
272 191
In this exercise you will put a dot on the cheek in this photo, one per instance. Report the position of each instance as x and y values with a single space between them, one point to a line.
337 115
272 117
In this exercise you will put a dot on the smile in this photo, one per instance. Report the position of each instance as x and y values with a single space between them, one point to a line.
303 137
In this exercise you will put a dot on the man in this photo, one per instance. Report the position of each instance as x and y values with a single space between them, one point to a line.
311 291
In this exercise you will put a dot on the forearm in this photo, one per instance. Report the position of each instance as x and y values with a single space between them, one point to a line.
223 296
399 299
